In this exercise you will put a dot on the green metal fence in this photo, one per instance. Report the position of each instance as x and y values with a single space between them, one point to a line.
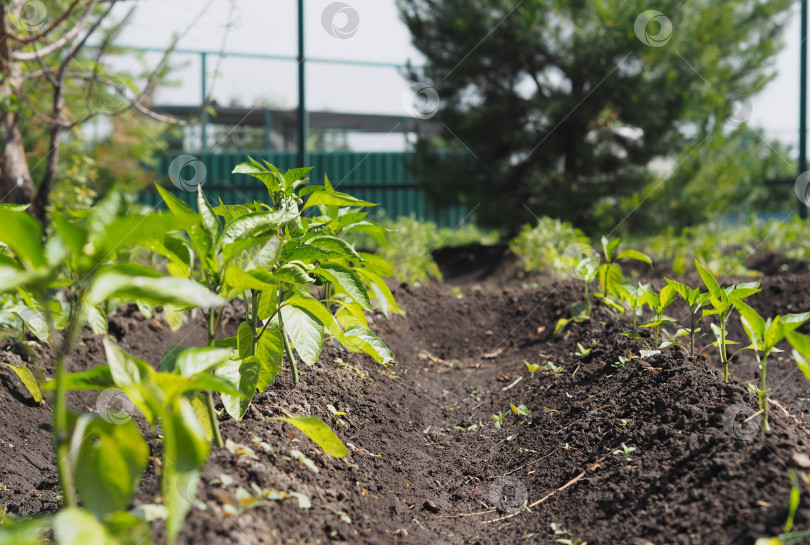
375 177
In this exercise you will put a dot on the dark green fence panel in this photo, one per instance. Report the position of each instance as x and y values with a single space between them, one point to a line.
375 177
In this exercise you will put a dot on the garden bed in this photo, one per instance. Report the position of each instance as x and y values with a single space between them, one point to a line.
428 461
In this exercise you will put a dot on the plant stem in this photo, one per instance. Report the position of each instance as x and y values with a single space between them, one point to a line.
212 417
692 333
213 326
764 399
723 357
61 433
254 322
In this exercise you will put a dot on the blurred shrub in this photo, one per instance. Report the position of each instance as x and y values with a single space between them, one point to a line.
410 242
549 247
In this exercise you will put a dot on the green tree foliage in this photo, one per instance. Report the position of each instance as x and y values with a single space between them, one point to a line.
563 103
725 174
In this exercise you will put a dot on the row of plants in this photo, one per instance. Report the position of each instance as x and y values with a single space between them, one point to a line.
287 259
552 246
626 298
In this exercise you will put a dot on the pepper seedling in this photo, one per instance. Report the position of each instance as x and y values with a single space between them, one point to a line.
720 299
764 335
695 300
658 303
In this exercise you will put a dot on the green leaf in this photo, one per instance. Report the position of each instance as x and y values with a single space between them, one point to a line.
270 179
752 321
267 304
711 283
335 244
347 280
109 465
96 378
244 340
245 375
97 320
182 428
124 283
270 353
317 430
23 532
33 319
175 205
316 308
368 342
125 369
293 273
210 221
255 223
635 254
294 175
238 281
74 526
320 196
305 332
72 235
383 296
22 234
198 360
28 380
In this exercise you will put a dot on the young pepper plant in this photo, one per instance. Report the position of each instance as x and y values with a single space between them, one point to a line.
764 336
610 272
722 307
658 303
695 300
300 280
80 259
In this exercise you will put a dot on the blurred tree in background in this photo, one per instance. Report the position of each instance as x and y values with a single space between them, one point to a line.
559 108
722 177
56 77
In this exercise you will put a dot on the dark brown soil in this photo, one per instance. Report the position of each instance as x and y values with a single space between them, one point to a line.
428 464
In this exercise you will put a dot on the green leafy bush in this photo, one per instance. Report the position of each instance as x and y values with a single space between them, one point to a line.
551 246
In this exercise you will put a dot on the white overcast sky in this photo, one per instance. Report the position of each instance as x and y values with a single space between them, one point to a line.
270 27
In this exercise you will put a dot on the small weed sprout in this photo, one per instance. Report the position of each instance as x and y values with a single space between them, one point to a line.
625 451
550 369
532 367
520 410
582 351
498 418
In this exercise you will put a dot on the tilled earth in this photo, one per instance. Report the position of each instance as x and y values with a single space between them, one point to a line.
428 463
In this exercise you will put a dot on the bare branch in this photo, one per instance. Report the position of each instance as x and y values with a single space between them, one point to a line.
67 37
26 39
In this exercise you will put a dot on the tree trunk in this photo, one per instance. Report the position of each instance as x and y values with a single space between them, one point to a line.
16 185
